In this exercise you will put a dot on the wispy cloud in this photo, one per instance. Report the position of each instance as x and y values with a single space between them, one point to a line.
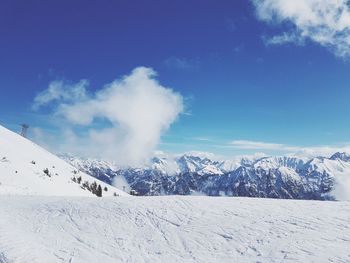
257 145
63 91
326 23
231 24
202 139
181 63
284 38
301 151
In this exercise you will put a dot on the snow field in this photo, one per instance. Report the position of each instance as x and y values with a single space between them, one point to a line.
172 229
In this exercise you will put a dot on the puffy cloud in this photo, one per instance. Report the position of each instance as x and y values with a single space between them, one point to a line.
326 22
342 187
136 111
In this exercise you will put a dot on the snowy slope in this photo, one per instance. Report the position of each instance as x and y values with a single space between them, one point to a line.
172 229
22 165
277 162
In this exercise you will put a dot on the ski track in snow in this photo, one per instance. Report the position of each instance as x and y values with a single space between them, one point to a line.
172 229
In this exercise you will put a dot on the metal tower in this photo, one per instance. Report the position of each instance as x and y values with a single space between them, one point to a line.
24 130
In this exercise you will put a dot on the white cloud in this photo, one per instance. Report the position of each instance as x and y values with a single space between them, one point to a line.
120 183
181 63
138 111
284 38
61 91
342 187
283 149
201 154
202 139
326 22
256 145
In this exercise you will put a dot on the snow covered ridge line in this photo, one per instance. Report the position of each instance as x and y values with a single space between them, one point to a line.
321 178
27 169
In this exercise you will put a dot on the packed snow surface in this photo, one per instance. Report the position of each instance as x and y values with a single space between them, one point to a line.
172 229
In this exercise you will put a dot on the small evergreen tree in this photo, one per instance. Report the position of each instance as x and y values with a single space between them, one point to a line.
47 172
86 185
93 188
99 191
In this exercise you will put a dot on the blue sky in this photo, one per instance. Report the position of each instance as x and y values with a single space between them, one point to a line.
240 83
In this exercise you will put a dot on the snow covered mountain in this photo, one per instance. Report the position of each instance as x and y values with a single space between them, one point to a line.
27 169
267 163
276 177
47 203
161 165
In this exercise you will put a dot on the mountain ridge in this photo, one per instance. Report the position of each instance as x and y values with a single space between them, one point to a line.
271 176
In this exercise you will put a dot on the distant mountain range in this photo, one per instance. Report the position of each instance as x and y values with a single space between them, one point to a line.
273 177
27 169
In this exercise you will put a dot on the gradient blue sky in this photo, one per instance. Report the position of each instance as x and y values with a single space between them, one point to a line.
235 85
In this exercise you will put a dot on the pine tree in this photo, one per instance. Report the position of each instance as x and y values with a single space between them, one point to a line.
86 185
47 172
99 191
93 188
